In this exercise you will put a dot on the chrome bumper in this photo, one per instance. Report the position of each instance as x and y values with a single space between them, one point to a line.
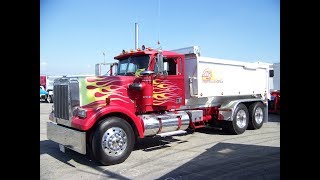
72 139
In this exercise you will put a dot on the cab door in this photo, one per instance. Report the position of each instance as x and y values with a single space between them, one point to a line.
168 86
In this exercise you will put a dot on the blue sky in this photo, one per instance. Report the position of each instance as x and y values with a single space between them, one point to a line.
75 33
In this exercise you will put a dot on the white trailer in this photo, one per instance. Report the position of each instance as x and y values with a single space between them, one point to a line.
224 83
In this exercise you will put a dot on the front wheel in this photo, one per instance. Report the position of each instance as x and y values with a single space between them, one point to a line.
112 141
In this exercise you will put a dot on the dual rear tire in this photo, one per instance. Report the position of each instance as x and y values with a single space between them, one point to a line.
246 119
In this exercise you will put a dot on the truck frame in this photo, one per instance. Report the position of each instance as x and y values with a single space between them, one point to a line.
156 93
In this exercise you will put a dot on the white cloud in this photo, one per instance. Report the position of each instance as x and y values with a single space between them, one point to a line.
44 64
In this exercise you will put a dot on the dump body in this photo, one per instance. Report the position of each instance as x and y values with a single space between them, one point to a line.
210 81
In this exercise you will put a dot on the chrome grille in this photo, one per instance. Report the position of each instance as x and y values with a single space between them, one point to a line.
61 101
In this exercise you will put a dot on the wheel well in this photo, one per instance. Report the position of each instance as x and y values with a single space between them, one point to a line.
249 103
120 115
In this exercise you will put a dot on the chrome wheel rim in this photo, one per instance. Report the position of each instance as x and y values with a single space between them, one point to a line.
258 115
241 118
114 141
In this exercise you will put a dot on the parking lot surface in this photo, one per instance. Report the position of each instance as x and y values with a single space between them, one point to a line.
205 154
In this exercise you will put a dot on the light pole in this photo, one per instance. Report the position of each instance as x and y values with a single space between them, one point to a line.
104 57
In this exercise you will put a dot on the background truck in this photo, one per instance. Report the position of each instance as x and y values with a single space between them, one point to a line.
43 94
47 83
174 92
274 102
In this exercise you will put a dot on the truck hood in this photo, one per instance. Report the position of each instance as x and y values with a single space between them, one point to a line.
94 90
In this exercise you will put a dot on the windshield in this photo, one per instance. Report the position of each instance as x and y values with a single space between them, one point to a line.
130 65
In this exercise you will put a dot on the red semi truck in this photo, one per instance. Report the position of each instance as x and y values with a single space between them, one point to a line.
274 103
156 93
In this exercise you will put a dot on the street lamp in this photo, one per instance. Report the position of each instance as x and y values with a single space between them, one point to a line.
104 57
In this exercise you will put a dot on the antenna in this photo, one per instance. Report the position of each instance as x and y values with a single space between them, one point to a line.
158 24
136 35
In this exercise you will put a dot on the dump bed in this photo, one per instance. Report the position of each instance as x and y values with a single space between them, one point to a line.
211 77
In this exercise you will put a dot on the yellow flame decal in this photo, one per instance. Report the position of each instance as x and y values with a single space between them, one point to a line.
102 88
164 92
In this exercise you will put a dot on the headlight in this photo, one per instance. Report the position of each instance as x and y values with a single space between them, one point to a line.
82 113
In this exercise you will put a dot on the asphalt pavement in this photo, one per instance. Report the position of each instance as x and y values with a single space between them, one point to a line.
205 154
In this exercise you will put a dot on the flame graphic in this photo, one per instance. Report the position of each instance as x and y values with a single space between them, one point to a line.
103 88
164 91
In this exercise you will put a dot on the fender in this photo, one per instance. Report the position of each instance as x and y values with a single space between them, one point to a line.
94 114
227 109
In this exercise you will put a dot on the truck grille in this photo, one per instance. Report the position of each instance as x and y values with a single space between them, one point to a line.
61 101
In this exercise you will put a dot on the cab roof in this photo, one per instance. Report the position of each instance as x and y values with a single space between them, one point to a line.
145 52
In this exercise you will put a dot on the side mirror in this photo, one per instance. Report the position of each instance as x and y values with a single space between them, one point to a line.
271 73
160 62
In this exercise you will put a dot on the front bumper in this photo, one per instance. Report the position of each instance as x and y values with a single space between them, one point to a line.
72 139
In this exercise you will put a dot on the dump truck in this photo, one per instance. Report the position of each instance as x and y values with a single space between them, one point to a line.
155 92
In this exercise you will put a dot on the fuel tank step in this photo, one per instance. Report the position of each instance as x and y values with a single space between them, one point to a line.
171 133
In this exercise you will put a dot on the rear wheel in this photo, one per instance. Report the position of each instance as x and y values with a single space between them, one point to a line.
112 141
257 116
240 120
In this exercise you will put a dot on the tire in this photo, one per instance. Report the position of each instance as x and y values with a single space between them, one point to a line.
240 120
112 141
49 99
44 98
257 115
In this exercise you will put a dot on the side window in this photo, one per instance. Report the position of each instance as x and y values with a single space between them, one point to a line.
171 66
